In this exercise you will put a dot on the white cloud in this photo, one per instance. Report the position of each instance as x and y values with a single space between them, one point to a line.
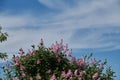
61 25
86 14
13 21
92 13
25 38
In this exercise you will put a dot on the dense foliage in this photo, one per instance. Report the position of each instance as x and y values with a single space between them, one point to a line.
55 63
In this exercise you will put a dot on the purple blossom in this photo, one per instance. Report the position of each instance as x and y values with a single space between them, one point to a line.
15 78
38 61
95 75
101 66
53 77
23 75
69 74
22 67
63 74
73 59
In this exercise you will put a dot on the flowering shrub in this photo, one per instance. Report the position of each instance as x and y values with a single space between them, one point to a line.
55 63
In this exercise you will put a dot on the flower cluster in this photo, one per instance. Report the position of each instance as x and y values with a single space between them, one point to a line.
56 63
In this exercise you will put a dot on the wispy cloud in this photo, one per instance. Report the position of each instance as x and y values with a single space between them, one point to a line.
58 4
82 25
15 21
105 38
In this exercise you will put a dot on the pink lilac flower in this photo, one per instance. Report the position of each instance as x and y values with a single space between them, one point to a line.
81 62
81 73
29 52
69 74
65 48
99 79
60 45
80 78
17 58
31 78
93 61
21 52
63 74
101 66
15 78
73 60
71 78
69 54
38 61
38 77
53 77
23 75
61 41
16 61
55 48
95 75
22 67
49 71
76 72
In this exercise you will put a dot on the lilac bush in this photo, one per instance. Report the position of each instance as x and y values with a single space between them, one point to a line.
55 63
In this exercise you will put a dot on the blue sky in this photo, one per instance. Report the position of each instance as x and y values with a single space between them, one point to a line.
86 25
